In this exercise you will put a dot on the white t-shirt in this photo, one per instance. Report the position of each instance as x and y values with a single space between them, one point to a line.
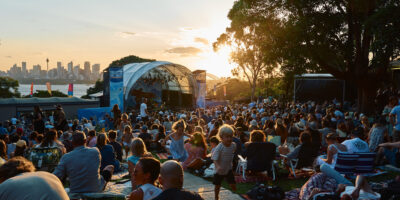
356 145
143 108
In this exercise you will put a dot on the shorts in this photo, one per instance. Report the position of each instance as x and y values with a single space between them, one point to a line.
228 177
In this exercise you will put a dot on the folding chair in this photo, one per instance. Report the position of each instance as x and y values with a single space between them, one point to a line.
241 167
292 164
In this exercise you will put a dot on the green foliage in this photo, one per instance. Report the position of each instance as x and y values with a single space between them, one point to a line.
45 94
9 87
353 40
129 59
98 87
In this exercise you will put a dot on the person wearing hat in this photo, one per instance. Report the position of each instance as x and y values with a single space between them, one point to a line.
334 147
20 148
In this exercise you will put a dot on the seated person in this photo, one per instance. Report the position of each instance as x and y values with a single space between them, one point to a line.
333 149
139 150
145 174
306 152
177 148
171 179
389 152
197 150
82 166
107 153
321 186
355 144
18 180
112 135
259 153
145 136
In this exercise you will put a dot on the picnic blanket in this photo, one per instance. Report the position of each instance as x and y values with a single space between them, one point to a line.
162 156
112 191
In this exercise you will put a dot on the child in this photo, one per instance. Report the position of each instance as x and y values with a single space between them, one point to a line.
214 141
127 139
223 157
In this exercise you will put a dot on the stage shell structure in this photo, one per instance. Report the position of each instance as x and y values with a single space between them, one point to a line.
160 82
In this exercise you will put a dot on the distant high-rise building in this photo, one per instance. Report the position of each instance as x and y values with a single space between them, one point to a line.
76 71
36 71
86 69
70 67
59 70
95 71
24 71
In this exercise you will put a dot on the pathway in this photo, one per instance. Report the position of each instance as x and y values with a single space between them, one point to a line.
206 188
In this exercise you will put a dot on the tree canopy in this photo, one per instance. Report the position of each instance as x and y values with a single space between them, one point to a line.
9 87
129 59
354 40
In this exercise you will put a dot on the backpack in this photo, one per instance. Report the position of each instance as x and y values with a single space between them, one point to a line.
260 191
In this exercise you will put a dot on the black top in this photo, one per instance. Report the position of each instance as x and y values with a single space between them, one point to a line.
118 150
178 194
260 156
146 137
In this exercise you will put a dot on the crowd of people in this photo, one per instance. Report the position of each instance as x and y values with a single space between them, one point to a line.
88 152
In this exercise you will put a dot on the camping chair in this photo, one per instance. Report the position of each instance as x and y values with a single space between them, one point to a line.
292 164
356 163
242 166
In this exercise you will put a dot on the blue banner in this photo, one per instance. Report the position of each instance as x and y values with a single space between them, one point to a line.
116 87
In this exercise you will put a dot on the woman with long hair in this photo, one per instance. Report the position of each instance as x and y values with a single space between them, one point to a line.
139 150
145 174
107 153
50 140
197 150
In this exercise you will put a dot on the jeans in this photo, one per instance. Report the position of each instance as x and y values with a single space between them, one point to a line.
326 169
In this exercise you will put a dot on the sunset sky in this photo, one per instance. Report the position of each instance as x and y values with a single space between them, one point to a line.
100 31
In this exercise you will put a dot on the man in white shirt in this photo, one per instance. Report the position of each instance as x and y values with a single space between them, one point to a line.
355 144
143 110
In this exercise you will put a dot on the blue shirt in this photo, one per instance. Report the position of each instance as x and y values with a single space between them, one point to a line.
3 131
396 111
108 158
82 166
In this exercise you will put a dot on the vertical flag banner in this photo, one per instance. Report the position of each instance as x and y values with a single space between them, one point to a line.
31 94
224 90
71 90
48 87
200 76
116 87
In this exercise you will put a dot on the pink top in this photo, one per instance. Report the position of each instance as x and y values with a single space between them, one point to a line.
92 142
193 152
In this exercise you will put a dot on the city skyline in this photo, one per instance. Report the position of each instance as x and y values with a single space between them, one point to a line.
78 31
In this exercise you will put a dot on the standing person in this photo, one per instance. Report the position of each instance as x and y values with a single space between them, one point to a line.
145 174
143 111
62 123
127 139
122 126
223 157
386 111
395 122
38 122
177 148
171 179
117 115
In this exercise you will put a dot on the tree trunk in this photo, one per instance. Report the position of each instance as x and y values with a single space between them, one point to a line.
366 97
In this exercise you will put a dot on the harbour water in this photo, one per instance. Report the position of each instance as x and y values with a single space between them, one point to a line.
79 89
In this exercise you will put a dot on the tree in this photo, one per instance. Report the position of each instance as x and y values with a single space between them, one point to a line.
250 46
129 59
9 87
98 87
45 94
354 40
